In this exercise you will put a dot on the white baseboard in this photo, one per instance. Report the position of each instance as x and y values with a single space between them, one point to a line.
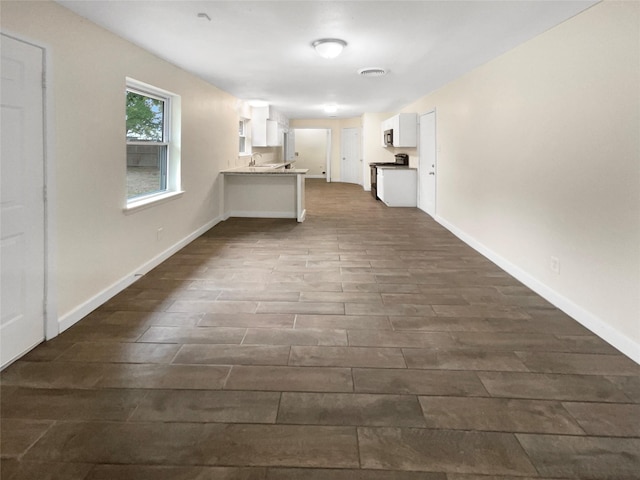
598 326
260 214
90 305
315 176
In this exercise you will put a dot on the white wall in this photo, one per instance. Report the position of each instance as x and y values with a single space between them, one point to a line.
539 157
311 150
99 246
269 155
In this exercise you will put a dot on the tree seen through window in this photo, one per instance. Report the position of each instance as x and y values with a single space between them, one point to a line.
145 118
147 146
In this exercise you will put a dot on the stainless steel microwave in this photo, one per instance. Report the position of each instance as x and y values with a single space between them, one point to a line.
388 138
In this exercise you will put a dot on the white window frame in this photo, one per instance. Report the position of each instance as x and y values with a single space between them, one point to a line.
245 124
171 139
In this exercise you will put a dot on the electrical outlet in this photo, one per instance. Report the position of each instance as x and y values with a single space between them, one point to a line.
159 234
554 265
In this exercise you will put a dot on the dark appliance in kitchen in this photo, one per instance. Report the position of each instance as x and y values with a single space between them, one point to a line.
402 160
388 138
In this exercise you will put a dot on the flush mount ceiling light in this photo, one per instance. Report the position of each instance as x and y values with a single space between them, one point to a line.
372 72
329 47
330 109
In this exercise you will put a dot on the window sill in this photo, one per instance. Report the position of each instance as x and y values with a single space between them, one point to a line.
150 201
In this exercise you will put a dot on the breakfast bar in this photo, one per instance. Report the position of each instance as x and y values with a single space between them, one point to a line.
264 191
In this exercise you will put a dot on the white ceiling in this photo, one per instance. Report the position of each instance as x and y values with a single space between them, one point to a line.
262 49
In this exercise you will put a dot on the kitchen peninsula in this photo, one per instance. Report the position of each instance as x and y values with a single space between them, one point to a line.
264 191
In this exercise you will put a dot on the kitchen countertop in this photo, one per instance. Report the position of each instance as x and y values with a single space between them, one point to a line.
278 170
267 191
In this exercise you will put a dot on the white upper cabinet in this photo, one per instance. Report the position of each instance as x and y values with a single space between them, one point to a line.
267 126
405 129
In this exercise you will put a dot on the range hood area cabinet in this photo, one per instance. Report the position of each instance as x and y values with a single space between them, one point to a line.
267 127
405 129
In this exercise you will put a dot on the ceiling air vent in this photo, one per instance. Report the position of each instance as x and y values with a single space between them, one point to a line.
372 72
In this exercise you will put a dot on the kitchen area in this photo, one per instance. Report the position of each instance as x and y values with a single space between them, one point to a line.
266 190
272 172
263 182
394 183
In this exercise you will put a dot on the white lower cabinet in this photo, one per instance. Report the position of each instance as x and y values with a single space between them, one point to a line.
397 187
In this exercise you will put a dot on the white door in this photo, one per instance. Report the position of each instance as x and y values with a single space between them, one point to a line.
351 164
427 164
22 200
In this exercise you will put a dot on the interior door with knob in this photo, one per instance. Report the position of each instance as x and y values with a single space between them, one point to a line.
427 171
351 163
22 247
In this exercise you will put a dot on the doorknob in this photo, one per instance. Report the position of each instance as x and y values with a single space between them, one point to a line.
432 173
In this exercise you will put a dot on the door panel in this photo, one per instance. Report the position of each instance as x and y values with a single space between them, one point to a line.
351 165
427 170
22 200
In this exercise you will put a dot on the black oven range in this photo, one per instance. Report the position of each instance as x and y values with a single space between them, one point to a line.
402 160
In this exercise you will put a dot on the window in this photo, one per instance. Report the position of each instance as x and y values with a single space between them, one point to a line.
152 156
242 135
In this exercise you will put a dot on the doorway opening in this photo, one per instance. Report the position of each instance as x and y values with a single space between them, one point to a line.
313 151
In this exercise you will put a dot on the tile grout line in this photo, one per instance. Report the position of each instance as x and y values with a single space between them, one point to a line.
175 355
226 378
30 446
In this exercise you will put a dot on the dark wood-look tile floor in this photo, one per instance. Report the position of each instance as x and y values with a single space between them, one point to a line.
366 343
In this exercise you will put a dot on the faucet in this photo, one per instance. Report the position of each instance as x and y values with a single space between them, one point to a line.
252 162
